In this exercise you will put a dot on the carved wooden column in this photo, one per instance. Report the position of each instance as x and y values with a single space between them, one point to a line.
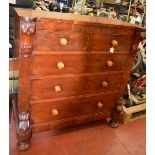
27 30
118 110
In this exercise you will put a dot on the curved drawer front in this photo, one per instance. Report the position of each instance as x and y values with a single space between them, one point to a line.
60 41
50 88
103 42
56 64
67 108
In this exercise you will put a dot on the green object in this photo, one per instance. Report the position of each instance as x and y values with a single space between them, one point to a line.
103 14
83 5
129 11
73 3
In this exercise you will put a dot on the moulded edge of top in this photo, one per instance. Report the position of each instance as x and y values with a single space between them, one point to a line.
76 18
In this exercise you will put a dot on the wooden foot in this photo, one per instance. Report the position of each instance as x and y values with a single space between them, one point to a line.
23 132
113 123
22 146
116 114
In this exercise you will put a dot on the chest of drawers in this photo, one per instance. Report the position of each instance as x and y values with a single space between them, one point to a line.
72 69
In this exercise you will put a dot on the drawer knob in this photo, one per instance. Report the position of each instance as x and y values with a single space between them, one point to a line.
63 41
114 43
99 104
109 63
26 55
57 89
55 112
60 65
104 84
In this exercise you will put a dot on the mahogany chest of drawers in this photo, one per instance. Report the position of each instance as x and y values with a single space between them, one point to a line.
73 69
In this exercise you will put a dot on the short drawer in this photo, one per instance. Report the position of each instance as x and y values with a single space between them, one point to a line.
103 42
67 108
46 40
57 64
64 86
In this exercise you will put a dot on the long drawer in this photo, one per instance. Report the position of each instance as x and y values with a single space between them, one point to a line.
56 64
46 88
60 41
70 122
68 108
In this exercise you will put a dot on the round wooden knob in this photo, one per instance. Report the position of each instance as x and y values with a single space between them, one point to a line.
63 41
60 65
26 55
114 43
104 84
109 63
57 89
55 112
99 104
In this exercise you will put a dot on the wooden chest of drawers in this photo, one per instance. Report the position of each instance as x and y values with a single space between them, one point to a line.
72 69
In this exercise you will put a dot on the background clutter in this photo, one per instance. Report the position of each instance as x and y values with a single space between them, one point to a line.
132 11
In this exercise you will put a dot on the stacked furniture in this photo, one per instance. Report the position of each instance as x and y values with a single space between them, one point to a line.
72 69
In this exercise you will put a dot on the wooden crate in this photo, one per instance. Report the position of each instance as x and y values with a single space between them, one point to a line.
133 113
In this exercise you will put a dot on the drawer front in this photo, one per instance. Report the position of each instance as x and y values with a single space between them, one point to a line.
71 122
72 86
103 42
74 64
67 108
60 41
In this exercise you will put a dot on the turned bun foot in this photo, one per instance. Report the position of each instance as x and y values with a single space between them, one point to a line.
23 132
23 146
113 124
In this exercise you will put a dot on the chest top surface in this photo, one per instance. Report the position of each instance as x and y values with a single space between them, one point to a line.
98 21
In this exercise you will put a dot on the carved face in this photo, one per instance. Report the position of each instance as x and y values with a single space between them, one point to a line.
28 28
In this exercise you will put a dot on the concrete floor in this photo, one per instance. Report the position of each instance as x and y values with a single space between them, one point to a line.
92 139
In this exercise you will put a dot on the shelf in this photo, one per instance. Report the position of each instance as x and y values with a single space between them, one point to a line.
111 3
116 4
125 5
